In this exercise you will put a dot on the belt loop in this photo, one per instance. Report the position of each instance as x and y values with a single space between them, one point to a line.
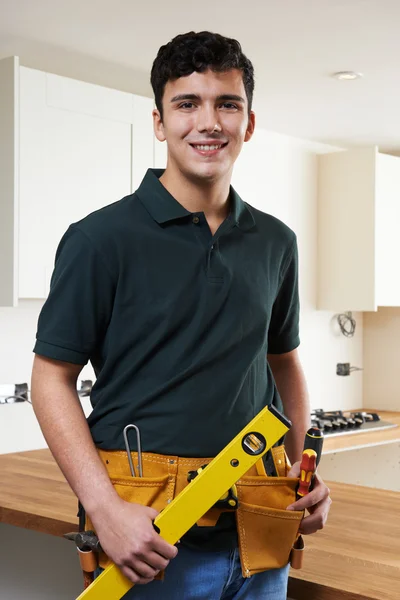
172 465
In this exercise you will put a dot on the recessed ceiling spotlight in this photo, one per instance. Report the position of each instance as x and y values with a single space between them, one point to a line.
347 75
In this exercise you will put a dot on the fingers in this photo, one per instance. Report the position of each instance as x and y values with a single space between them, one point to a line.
318 503
163 548
152 513
157 561
294 470
146 557
317 519
319 493
143 565
135 576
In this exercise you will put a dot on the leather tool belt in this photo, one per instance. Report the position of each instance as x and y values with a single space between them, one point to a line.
267 531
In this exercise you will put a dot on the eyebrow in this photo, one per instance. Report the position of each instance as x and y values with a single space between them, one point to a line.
196 97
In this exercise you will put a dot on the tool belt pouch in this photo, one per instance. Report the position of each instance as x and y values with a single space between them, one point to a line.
267 531
155 491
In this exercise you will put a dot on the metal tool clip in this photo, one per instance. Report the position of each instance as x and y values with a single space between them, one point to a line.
139 449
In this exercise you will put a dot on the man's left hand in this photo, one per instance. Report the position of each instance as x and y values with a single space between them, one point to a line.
317 502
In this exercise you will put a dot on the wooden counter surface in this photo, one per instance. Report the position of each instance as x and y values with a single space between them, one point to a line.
34 493
356 556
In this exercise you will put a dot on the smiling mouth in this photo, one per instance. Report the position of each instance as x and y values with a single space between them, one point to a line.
207 149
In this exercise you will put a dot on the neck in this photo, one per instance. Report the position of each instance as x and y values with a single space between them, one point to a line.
212 198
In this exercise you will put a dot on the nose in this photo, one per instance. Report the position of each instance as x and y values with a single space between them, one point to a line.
207 119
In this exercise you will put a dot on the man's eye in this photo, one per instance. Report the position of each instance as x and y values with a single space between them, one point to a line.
186 105
229 105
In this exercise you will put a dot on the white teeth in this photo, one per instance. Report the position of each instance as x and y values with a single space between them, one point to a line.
208 148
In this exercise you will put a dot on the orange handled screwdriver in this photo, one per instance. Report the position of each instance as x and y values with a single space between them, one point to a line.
309 461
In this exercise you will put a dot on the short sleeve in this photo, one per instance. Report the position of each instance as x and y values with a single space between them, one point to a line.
75 316
283 334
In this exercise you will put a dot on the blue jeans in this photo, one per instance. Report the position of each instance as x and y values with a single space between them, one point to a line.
196 575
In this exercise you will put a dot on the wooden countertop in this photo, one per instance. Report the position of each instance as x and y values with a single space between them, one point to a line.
356 556
34 493
352 441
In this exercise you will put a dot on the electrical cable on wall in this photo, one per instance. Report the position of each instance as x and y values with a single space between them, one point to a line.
347 323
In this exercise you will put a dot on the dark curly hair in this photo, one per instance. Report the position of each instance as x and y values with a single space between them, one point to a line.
191 52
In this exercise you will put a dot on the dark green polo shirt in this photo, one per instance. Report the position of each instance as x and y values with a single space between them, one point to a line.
176 322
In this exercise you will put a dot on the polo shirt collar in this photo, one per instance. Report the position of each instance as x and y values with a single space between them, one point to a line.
163 207
240 211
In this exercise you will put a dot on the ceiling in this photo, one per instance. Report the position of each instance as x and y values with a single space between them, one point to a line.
295 46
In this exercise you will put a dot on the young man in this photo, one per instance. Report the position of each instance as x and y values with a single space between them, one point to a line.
176 294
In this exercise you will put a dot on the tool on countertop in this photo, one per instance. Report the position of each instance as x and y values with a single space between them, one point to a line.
86 387
139 449
10 393
310 459
367 416
342 421
202 493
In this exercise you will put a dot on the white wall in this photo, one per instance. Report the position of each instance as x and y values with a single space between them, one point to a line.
19 429
374 466
382 359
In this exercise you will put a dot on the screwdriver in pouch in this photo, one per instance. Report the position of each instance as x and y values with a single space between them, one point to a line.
310 459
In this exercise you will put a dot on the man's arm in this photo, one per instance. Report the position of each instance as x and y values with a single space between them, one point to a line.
62 420
292 388
290 381
125 530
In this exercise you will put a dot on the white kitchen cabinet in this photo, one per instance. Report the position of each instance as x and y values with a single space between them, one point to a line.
80 147
358 230
9 149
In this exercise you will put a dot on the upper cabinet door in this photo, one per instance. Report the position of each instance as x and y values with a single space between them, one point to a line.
82 147
387 240
9 153
358 241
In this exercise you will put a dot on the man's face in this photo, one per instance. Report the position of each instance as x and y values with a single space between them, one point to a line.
204 109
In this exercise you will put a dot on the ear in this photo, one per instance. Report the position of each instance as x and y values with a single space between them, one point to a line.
158 126
250 126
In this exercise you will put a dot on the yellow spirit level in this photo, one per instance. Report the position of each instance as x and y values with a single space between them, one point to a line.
202 493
